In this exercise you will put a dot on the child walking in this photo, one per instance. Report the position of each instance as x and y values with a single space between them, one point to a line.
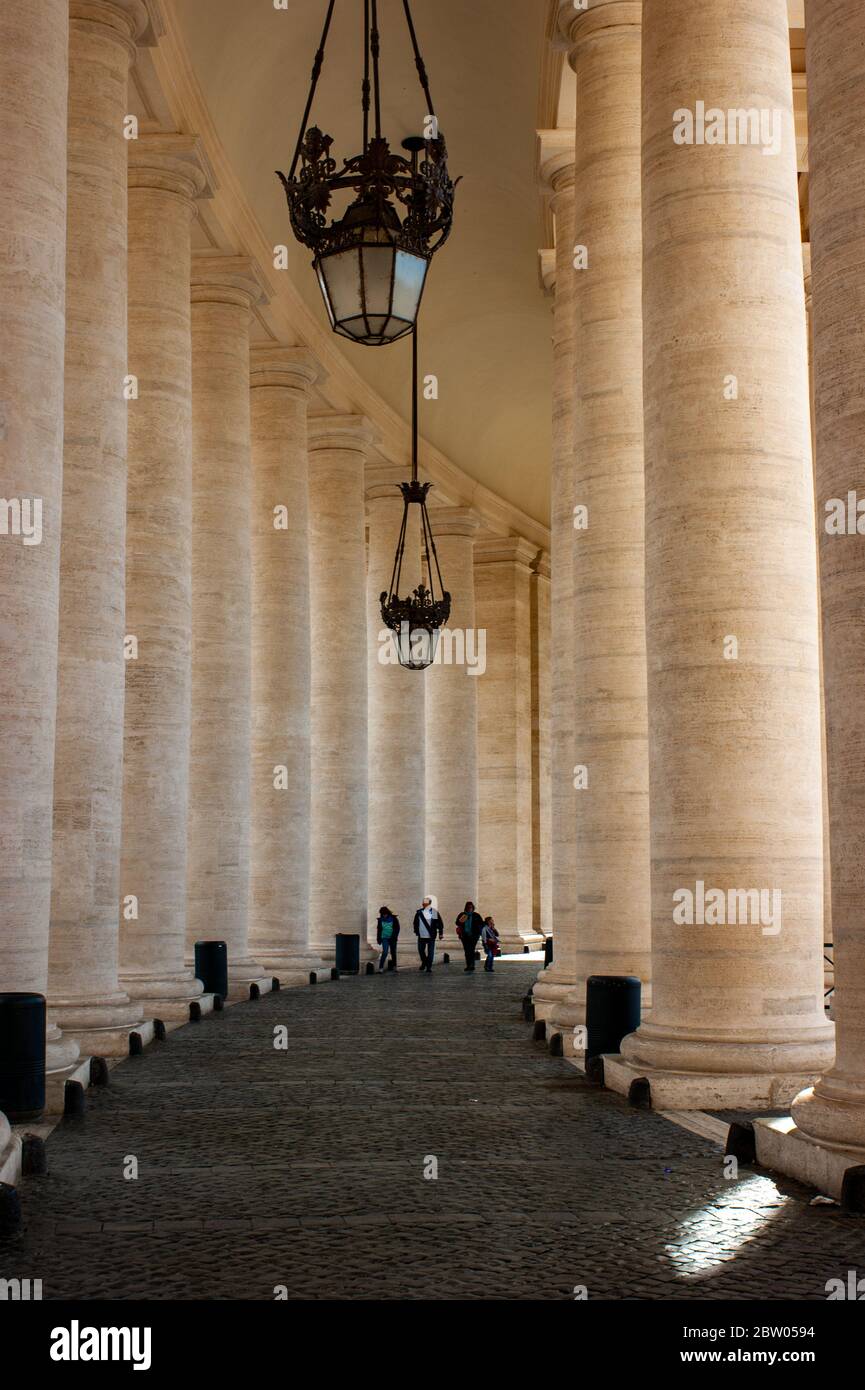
490 943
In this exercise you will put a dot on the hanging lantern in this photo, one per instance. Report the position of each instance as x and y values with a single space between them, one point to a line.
416 619
372 262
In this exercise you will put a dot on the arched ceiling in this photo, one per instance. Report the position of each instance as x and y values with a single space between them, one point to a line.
485 326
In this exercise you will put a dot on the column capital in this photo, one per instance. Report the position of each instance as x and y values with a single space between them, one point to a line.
351 432
547 269
579 22
276 364
556 162
383 480
498 550
226 279
171 163
137 23
454 521
541 566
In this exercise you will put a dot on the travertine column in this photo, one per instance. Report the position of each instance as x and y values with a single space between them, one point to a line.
554 983
396 714
279 893
610 771
33 89
224 290
166 174
503 611
834 1112
84 991
731 604
452 727
338 445
541 809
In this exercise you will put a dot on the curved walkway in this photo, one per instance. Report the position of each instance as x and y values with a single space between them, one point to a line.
305 1168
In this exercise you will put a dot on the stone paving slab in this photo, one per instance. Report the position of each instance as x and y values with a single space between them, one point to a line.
303 1168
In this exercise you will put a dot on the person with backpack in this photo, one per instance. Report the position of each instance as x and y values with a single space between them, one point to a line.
427 922
386 933
490 943
469 926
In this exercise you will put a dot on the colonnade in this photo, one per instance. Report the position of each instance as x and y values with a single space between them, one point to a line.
683 555
200 739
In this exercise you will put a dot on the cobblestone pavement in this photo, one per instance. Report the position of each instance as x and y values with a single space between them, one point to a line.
304 1168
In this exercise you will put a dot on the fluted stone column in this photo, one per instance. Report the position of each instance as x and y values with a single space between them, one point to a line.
339 445
281 379
85 994
833 1113
731 603
541 807
166 174
396 715
610 771
224 290
503 611
452 727
558 979
33 92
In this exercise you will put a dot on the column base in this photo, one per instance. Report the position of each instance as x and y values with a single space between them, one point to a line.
112 1042
785 1149
166 996
100 1027
60 1053
240 990
552 986
564 1019
688 1090
175 1011
293 970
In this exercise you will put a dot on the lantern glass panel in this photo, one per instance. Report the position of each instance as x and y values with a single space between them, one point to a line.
408 285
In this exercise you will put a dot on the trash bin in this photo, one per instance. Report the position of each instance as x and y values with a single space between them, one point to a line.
348 953
211 967
612 1012
22 1056
548 951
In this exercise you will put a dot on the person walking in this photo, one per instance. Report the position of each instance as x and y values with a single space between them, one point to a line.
490 943
469 926
427 921
386 933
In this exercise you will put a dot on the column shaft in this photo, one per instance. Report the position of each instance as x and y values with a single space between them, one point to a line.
541 807
224 289
338 887
84 990
451 727
503 611
834 1112
33 114
731 594
165 176
280 857
396 716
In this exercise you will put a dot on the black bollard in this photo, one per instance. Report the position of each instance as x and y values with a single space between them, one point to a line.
446 958
98 1071
370 968
313 977
10 1209
741 1142
539 1032
853 1189
254 991
347 958
194 1011
334 973
211 966
136 1045
74 1101
556 1047
640 1093
34 1156
22 1056
159 1030
275 985
595 1070
218 1003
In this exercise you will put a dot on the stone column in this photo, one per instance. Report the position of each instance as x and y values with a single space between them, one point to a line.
339 445
734 695
396 716
833 1113
85 994
503 612
224 290
610 771
541 808
279 896
558 979
166 174
451 727
33 92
